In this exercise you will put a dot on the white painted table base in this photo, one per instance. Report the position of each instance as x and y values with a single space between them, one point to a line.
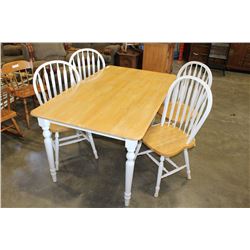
129 144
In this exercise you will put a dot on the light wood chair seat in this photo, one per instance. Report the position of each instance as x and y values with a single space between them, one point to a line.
7 114
24 91
57 128
160 111
166 140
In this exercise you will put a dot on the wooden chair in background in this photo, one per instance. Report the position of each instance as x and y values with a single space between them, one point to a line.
7 114
177 135
18 77
87 62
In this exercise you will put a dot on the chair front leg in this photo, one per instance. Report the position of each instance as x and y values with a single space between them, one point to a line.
57 151
27 117
92 143
159 175
187 164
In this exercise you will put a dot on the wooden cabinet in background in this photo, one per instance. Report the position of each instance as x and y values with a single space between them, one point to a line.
199 52
130 59
239 57
233 56
158 57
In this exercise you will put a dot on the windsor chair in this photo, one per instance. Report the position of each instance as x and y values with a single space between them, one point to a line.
170 138
87 62
58 76
7 114
196 69
18 76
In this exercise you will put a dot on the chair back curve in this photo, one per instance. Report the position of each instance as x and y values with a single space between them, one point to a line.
188 103
17 73
197 69
52 78
87 62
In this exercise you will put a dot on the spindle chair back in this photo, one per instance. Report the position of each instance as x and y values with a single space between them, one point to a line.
52 78
87 62
195 96
196 69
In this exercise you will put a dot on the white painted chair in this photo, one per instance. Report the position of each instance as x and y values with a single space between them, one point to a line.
170 138
196 69
51 79
87 62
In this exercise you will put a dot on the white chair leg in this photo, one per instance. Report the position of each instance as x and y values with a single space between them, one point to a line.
57 151
158 182
78 133
138 148
92 144
187 164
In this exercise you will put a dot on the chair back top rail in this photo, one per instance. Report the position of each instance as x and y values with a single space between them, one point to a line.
197 69
18 73
87 62
52 78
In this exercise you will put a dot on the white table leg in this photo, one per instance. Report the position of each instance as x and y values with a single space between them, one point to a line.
130 146
44 124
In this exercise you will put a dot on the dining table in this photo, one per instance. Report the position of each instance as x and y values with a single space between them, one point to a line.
116 102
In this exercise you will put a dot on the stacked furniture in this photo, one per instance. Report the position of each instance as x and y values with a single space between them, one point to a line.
234 56
13 52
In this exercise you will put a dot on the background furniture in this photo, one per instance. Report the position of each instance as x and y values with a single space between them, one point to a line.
7 114
110 111
58 76
19 76
239 57
233 56
131 58
13 52
40 53
87 62
158 57
218 56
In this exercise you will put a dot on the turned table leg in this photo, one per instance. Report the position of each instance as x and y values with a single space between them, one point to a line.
44 124
131 147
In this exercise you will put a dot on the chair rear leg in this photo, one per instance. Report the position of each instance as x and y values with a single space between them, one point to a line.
27 117
187 164
92 143
16 126
57 151
158 182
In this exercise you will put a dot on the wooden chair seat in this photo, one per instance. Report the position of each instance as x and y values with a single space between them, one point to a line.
166 140
23 92
7 114
57 128
160 111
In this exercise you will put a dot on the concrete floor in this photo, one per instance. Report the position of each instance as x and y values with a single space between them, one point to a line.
220 164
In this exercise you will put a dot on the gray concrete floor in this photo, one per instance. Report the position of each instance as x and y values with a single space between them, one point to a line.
219 163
